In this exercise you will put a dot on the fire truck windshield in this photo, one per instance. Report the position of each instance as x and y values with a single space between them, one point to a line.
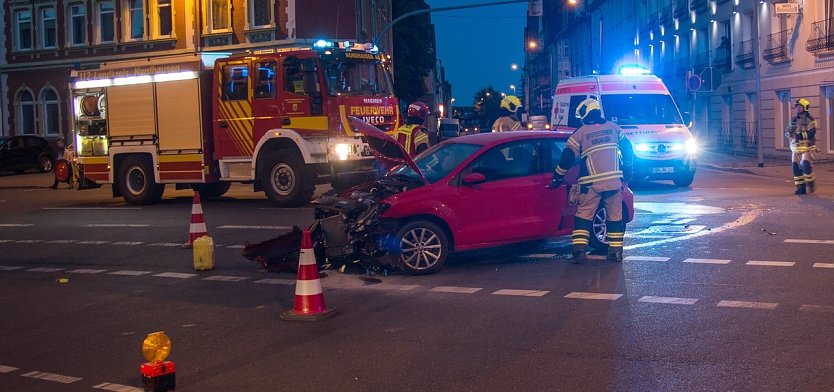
628 109
357 77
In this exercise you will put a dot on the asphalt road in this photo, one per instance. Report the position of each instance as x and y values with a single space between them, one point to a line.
727 285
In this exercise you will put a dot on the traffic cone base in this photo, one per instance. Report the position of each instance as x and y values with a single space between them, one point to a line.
309 296
197 228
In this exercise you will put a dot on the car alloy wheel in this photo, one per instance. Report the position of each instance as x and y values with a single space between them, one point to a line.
423 247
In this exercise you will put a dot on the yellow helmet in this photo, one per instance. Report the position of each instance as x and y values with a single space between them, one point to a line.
802 102
511 103
586 107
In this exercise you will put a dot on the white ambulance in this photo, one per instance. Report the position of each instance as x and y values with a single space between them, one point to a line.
641 105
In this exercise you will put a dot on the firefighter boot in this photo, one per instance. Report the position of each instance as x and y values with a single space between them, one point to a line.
579 239
578 256
798 179
614 233
808 176
800 190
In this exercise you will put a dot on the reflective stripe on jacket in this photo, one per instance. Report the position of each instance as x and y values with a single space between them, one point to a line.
506 123
598 147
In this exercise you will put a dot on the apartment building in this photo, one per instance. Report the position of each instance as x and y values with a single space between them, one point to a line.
735 66
45 39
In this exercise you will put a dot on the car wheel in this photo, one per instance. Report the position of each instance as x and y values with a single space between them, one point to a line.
45 163
286 180
137 183
212 190
422 247
598 230
684 179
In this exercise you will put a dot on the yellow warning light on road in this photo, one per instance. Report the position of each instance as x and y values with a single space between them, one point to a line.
156 347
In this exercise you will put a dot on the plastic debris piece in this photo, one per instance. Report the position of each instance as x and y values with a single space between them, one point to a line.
63 280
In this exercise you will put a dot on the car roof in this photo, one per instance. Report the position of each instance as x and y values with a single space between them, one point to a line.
501 137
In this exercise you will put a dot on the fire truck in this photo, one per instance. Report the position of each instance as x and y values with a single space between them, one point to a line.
276 119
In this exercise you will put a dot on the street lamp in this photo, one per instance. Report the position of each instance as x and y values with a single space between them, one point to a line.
514 67
512 87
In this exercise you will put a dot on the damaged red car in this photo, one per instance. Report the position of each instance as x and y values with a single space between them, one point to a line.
467 193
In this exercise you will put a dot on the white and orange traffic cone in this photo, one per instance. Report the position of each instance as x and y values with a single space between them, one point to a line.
198 222
309 297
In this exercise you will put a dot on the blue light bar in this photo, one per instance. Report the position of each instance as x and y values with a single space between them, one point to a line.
631 70
323 44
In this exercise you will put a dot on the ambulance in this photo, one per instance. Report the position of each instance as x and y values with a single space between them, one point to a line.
641 105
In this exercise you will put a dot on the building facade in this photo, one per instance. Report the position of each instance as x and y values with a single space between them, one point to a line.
734 66
45 39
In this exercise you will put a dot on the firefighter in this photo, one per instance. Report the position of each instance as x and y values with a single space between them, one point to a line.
802 132
507 121
606 161
413 134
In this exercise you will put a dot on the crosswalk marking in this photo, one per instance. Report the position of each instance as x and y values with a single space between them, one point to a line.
177 275
452 289
285 282
166 244
9 268
707 261
235 246
52 377
29 241
129 273
93 242
61 241
221 278
817 308
771 263
521 293
115 225
748 304
86 271
540 256
668 300
602 296
255 227
802 241
16 224
117 387
129 243
44 269
823 265
393 287
7 369
646 258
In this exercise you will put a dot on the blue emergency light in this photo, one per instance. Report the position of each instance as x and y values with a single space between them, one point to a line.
323 44
632 70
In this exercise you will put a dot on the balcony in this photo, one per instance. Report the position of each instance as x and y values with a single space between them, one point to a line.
700 61
699 5
721 58
777 47
745 56
823 38
681 9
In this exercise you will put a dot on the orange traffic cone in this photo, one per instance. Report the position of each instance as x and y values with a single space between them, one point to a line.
309 298
198 223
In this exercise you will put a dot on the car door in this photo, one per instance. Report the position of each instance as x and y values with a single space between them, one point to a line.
14 155
506 207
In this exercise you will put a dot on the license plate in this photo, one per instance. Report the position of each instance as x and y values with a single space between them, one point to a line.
663 170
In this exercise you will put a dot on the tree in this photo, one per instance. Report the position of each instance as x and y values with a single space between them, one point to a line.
414 55
487 103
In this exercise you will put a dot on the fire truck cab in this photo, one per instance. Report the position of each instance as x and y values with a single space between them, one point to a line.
276 118
641 105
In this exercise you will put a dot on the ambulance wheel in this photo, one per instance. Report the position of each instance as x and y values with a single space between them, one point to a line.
136 181
212 190
684 178
286 180
421 247
598 231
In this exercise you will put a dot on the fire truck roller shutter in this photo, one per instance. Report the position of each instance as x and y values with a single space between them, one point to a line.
130 111
178 112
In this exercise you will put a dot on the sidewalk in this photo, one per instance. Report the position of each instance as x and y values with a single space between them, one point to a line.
772 167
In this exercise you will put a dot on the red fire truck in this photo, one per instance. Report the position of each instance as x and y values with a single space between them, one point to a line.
274 118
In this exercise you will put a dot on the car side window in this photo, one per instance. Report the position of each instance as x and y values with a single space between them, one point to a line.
508 161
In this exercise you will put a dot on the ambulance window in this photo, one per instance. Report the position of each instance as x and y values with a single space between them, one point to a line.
265 79
235 82
573 121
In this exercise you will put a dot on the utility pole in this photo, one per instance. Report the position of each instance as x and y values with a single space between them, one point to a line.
757 64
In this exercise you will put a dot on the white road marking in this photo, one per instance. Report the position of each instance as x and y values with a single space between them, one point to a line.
16 224
117 387
817 308
668 300
86 271
256 227
177 275
52 377
167 244
93 208
823 265
394 287
285 282
5 241
129 273
226 278
453 289
745 219
234 246
9 268
646 258
61 241
748 304
596 257
707 261
771 263
29 241
128 243
7 369
115 225
521 293
801 241
93 242
540 256
604 296
44 269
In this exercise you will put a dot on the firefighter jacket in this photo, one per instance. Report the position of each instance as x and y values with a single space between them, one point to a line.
412 136
604 153
506 123
802 132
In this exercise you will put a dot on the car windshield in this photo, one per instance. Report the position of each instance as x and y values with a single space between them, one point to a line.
437 162
357 77
627 109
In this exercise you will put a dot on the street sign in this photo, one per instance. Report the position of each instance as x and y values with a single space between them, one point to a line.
787 8
711 79
693 82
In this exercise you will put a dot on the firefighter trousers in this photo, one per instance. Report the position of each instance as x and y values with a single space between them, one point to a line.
802 164
590 199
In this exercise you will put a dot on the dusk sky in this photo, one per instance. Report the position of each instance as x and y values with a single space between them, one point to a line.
478 45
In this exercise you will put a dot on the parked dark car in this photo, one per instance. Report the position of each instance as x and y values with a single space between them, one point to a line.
20 153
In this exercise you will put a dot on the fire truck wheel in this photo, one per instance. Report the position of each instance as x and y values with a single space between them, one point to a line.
422 247
212 190
136 181
286 180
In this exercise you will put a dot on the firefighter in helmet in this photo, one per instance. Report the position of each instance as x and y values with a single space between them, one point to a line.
507 121
606 161
413 134
802 132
